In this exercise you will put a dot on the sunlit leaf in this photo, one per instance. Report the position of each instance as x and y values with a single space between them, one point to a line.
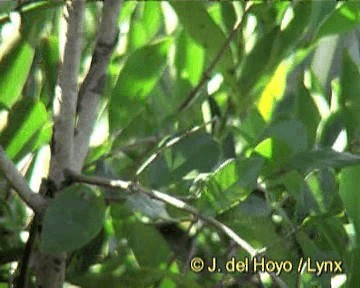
27 117
15 62
186 51
273 91
202 28
231 183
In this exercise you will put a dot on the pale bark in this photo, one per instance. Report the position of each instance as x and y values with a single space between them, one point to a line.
50 269
34 200
93 85
66 94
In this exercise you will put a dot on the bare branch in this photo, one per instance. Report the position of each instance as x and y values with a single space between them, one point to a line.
66 96
170 200
94 82
49 269
34 200
205 77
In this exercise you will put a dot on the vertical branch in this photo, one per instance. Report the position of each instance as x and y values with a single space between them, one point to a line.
66 94
50 268
93 84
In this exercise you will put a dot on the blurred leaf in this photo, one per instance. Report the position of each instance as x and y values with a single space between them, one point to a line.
342 19
195 153
26 119
307 112
228 15
321 11
276 152
144 25
72 220
349 192
148 207
149 248
186 51
297 187
291 132
15 62
231 183
202 28
349 96
273 91
51 62
322 184
137 78
354 275
7 6
143 277
252 127
16 55
255 65
316 159
331 129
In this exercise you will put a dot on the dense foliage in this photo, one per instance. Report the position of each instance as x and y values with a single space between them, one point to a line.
247 111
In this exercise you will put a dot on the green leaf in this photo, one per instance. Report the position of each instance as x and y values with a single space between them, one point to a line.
321 11
297 187
231 183
50 64
252 127
349 96
317 159
291 132
145 23
276 152
186 51
349 192
73 219
138 77
26 119
203 29
16 58
342 19
148 207
196 153
255 64
331 129
307 112
149 248
7 6
322 184
228 15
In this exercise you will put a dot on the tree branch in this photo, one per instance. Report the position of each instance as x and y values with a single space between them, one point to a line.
170 200
205 77
94 82
49 269
34 200
66 94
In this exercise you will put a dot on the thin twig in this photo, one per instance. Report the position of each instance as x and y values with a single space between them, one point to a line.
171 142
205 77
170 200
18 182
